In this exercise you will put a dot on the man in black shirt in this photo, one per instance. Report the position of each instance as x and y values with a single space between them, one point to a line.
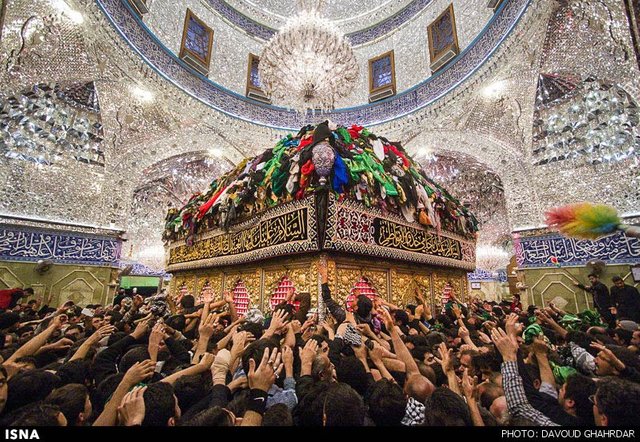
626 300
601 299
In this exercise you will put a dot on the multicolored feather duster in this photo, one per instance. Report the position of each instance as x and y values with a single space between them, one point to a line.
588 221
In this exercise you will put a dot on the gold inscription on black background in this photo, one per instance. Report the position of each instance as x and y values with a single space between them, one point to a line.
397 236
282 229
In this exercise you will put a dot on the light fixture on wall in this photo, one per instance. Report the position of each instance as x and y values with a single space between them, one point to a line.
141 94
73 15
592 122
308 64
491 258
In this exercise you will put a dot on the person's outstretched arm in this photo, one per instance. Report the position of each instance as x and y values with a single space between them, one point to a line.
517 401
35 343
334 308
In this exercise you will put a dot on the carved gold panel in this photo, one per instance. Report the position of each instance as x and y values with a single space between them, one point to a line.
378 279
402 287
215 280
305 279
186 279
439 281
332 274
80 286
404 283
9 279
271 279
346 278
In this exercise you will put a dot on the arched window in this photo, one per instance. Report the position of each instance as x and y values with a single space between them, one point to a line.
281 292
364 287
207 291
241 298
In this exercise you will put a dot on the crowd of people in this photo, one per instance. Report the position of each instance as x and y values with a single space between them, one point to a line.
155 362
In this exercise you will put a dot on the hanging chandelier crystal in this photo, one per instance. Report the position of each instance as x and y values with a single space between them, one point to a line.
308 64
491 258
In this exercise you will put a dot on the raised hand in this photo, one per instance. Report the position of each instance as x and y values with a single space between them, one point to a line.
296 327
61 344
139 371
131 410
469 385
207 296
287 359
365 330
539 346
386 318
511 325
228 297
103 331
240 341
238 384
464 347
264 376
138 301
308 323
278 320
157 334
308 352
484 337
58 321
507 345
206 361
542 316
141 329
608 356
206 327
463 332
378 352
155 338
446 359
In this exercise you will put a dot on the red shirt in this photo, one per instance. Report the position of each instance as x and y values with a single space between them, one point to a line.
9 298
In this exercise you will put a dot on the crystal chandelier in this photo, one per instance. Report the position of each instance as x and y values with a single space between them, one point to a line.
491 258
308 64
589 123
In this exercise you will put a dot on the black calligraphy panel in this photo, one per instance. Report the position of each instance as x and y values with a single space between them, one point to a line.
274 231
397 236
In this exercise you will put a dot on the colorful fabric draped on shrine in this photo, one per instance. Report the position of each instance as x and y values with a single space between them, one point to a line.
352 162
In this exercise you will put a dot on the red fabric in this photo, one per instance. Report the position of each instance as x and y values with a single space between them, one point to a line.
305 171
206 206
395 150
354 131
308 168
6 296
304 142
